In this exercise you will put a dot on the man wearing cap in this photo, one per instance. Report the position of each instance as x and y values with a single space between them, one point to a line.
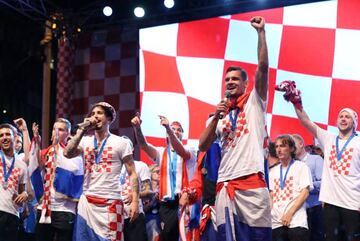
340 187
100 209
62 180
177 164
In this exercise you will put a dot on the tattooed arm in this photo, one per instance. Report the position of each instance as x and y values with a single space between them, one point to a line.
134 182
146 190
72 148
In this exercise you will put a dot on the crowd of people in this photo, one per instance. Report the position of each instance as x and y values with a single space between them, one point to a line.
238 185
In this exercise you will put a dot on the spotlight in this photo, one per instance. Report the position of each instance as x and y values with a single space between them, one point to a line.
4 111
107 11
169 3
139 12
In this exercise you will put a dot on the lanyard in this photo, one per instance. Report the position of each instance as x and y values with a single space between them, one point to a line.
7 174
233 115
339 154
98 154
282 181
172 162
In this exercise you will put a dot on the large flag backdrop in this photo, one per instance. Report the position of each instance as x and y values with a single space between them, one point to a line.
182 66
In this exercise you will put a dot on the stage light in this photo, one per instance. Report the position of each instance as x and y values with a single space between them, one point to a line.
139 12
169 3
107 11
4 111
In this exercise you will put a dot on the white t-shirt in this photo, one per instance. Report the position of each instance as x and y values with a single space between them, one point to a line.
340 184
143 172
243 148
102 180
190 168
18 176
58 202
297 178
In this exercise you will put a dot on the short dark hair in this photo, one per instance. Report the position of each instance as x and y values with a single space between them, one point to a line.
287 140
9 126
243 73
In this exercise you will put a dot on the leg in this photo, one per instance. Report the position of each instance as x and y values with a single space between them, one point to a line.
298 234
331 217
315 222
63 223
169 221
280 234
9 226
351 223
135 231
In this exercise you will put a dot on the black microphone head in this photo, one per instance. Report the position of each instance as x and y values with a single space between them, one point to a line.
227 94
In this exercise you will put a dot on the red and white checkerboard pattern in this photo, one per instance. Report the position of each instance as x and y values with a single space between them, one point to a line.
287 193
342 166
13 181
116 220
182 66
64 77
106 69
241 129
105 164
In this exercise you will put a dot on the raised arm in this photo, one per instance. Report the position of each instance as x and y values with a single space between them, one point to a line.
305 121
134 182
174 140
21 125
262 71
140 138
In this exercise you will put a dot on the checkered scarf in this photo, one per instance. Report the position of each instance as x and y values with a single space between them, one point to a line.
49 158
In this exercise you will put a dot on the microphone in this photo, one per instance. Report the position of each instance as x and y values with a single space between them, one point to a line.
83 125
227 95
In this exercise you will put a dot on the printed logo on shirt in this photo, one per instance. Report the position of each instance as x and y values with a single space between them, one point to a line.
286 194
103 166
240 130
342 166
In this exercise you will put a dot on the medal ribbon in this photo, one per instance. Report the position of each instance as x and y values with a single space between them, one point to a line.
282 181
8 173
233 115
339 154
172 161
98 154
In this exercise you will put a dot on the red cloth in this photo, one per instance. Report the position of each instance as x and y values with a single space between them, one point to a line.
251 181
163 175
195 184
239 102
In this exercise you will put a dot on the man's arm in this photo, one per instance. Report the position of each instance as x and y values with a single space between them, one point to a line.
146 190
72 148
21 125
134 183
286 219
208 136
262 72
305 121
318 173
140 138
174 141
